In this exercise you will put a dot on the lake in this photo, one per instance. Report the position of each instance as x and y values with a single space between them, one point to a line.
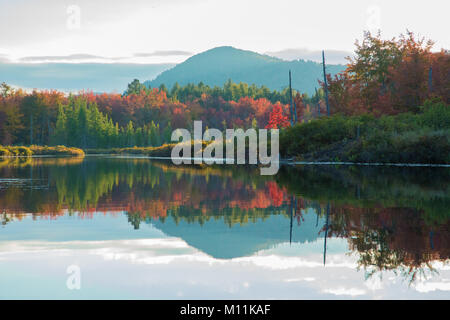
128 228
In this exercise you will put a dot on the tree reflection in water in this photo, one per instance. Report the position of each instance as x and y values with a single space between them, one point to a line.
394 218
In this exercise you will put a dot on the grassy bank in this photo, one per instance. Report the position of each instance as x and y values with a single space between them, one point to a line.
161 151
404 138
21 151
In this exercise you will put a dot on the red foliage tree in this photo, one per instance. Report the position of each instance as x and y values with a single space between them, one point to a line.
277 118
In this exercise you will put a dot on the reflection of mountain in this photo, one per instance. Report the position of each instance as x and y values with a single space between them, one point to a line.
215 237
221 241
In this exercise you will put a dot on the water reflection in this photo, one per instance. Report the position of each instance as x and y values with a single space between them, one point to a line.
390 220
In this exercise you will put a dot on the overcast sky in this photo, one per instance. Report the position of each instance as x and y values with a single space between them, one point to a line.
171 30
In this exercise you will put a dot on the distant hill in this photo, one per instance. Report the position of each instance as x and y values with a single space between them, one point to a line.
216 66
72 77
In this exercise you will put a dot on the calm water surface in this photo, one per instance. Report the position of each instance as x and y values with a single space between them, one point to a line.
138 228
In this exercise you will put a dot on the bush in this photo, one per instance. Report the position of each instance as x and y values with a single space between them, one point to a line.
39 150
57 150
313 135
162 151
405 138
424 146
436 115
15 151
4 152
21 151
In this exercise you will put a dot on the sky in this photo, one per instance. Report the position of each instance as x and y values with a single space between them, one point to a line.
161 31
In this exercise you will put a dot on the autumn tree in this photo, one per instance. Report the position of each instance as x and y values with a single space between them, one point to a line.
389 76
277 119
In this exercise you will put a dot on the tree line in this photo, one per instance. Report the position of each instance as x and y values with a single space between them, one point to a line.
141 118
230 91
385 77
81 124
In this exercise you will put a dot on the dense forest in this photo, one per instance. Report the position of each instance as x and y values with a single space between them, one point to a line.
139 117
385 79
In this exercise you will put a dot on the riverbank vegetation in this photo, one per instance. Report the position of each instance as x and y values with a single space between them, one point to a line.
162 151
391 104
422 137
21 151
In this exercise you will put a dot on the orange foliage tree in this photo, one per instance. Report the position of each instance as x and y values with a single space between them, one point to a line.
390 76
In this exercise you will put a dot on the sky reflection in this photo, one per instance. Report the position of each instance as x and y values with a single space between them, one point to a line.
156 266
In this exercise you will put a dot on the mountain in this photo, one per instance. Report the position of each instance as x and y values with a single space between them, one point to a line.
214 67
72 77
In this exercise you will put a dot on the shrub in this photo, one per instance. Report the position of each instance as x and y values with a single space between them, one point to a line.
15 151
436 115
39 150
406 138
22 151
424 146
4 152
162 151
313 135
57 150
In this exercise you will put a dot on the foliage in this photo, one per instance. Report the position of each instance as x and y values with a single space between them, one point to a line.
141 118
316 134
161 151
390 77
403 138
39 150
56 150
436 115
15 151
4 152
277 118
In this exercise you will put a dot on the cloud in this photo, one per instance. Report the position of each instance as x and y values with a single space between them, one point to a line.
331 56
163 53
342 291
4 58
70 57
84 57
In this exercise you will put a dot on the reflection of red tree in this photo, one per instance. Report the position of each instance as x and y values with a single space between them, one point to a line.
276 193
216 194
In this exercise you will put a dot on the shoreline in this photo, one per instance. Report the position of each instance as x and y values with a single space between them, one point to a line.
287 162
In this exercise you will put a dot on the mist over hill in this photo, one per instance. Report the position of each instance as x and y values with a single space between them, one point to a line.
214 67
72 77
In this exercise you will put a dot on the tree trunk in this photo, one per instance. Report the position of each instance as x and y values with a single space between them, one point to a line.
325 83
